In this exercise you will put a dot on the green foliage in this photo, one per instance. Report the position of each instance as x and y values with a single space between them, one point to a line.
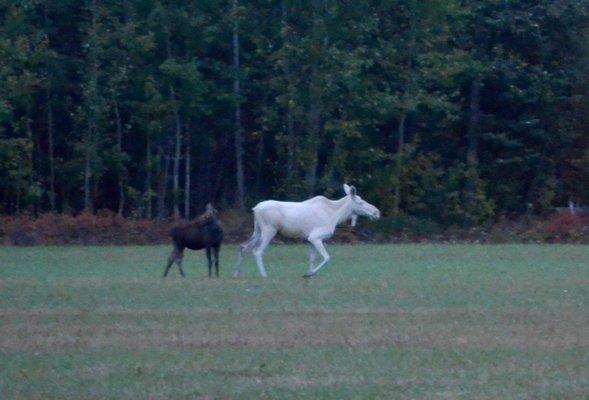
328 88
458 207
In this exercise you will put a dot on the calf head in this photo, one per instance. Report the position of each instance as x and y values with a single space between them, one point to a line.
209 209
209 215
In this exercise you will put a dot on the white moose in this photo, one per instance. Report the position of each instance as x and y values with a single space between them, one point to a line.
314 219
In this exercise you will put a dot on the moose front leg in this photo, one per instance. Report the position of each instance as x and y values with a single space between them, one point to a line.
318 244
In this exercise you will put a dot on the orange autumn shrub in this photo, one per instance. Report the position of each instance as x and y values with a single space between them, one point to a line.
566 226
85 229
107 228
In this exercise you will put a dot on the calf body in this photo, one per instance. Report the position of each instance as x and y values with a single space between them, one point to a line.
203 233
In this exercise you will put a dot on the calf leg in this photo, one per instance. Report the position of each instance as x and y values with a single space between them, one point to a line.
179 262
171 260
210 263
216 253
175 257
318 244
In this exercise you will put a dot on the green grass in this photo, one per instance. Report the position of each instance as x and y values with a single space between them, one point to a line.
382 321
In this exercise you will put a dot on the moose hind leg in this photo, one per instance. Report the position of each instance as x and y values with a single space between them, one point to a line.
245 248
312 257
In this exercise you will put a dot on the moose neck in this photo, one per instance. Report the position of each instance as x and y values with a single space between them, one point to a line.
343 209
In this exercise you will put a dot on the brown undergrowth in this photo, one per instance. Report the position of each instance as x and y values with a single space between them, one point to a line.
108 228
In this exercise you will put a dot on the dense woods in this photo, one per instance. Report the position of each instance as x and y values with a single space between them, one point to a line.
453 111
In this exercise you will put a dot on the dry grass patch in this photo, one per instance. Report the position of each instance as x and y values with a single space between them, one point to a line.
50 329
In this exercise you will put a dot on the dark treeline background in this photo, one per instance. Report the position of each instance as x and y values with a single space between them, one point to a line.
454 111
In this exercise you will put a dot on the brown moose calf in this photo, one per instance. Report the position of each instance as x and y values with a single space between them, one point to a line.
204 232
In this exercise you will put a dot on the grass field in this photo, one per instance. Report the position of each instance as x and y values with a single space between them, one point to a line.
380 321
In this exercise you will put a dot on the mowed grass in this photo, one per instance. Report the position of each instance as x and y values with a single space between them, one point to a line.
380 321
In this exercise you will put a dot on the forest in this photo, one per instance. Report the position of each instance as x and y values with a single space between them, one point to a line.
453 111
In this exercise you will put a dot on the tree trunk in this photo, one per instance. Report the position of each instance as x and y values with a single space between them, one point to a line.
177 154
50 150
205 182
149 213
399 167
314 113
50 145
30 160
92 122
18 188
219 177
162 183
472 140
121 167
474 124
187 175
314 128
178 142
329 176
238 138
65 192
290 142
29 168
260 161
87 174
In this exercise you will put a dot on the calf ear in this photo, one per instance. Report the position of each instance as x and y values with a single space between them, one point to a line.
346 188
209 207
353 190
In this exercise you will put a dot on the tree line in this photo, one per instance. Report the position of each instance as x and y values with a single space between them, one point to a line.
456 111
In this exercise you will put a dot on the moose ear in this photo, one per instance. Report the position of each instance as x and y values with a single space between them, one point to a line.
350 190
209 207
